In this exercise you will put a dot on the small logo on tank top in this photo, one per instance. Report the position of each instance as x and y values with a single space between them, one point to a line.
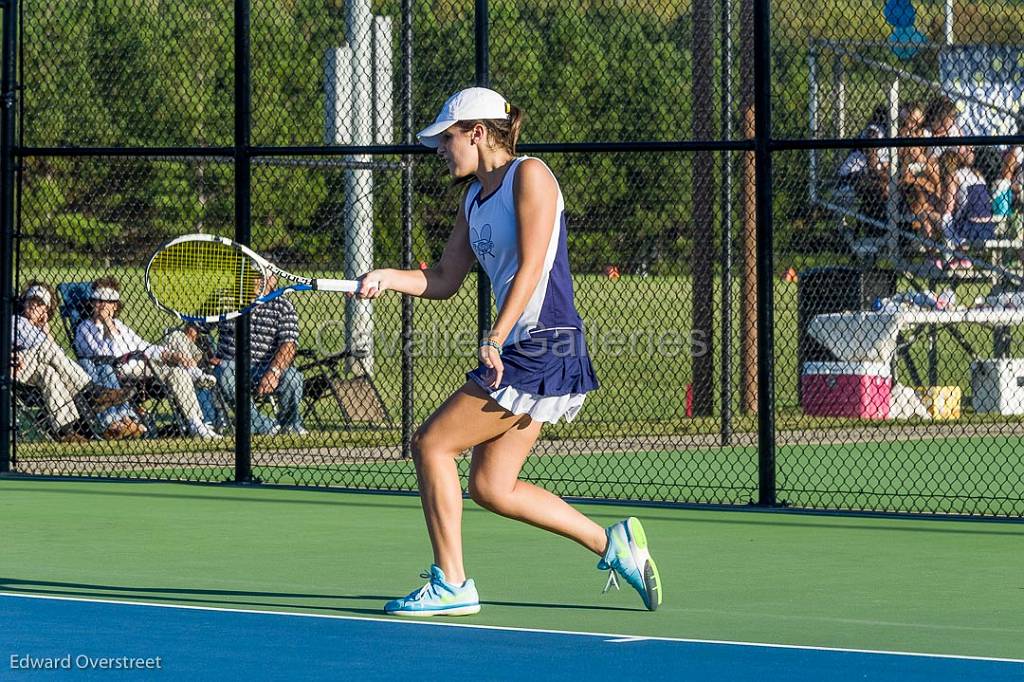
482 243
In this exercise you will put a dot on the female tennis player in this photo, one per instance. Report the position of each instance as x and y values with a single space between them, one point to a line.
533 365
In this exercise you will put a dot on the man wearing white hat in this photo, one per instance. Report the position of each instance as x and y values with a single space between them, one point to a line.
39 361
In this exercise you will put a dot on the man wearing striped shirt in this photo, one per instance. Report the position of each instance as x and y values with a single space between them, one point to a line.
274 339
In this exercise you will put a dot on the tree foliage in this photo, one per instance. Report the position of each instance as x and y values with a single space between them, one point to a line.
160 73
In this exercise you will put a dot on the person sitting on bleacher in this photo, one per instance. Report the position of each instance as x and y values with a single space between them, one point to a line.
39 361
274 338
104 335
1009 183
865 171
967 204
941 121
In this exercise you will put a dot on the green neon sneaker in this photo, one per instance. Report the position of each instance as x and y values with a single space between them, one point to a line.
437 598
627 555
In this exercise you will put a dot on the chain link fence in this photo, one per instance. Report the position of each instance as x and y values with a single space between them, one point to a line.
883 295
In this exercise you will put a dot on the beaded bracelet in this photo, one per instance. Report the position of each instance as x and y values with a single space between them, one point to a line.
492 343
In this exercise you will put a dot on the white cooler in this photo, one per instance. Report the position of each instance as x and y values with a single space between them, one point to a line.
998 386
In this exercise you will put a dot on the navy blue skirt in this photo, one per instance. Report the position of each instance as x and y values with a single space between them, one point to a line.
548 363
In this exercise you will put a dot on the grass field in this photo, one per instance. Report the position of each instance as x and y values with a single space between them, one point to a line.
639 331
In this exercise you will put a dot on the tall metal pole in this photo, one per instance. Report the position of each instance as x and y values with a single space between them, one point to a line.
408 374
812 116
765 261
7 122
483 79
892 204
703 268
243 234
748 242
948 23
358 221
725 433
839 93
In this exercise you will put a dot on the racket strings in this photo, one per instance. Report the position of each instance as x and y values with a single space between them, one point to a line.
204 278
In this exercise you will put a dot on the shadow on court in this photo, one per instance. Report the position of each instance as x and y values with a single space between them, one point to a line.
190 596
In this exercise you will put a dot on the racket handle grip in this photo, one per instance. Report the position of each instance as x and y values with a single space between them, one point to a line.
349 286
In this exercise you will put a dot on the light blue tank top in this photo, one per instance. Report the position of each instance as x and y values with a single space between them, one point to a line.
493 235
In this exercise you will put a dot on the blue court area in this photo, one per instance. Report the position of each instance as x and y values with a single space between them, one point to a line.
106 640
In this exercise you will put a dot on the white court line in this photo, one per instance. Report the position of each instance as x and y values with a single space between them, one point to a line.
608 636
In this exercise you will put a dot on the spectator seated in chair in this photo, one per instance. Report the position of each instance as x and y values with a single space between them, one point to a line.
865 171
68 391
192 342
941 119
104 335
1009 186
920 182
274 336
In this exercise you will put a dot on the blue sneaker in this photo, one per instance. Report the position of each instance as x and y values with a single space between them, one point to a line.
437 598
627 555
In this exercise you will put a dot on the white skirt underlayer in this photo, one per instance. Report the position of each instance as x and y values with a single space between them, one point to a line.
540 408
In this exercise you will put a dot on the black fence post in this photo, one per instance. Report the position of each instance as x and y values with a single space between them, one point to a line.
408 370
483 80
243 234
765 264
7 121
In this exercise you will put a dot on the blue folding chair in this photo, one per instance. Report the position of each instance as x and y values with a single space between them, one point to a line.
31 420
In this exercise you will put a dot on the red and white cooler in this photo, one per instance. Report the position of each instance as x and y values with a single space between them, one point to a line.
859 390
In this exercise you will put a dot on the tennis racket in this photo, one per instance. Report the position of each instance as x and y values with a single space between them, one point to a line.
205 278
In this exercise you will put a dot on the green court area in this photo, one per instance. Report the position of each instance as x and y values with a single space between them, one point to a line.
977 475
950 587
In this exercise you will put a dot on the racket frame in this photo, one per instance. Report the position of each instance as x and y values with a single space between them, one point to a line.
265 267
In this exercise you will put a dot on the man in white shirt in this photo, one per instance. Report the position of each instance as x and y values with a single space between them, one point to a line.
39 361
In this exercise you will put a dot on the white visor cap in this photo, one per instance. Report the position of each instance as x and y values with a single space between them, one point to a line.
106 294
471 104
40 293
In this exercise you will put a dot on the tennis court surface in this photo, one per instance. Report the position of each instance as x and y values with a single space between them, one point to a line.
271 583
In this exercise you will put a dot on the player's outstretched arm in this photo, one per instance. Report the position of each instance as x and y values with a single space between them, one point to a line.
438 282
